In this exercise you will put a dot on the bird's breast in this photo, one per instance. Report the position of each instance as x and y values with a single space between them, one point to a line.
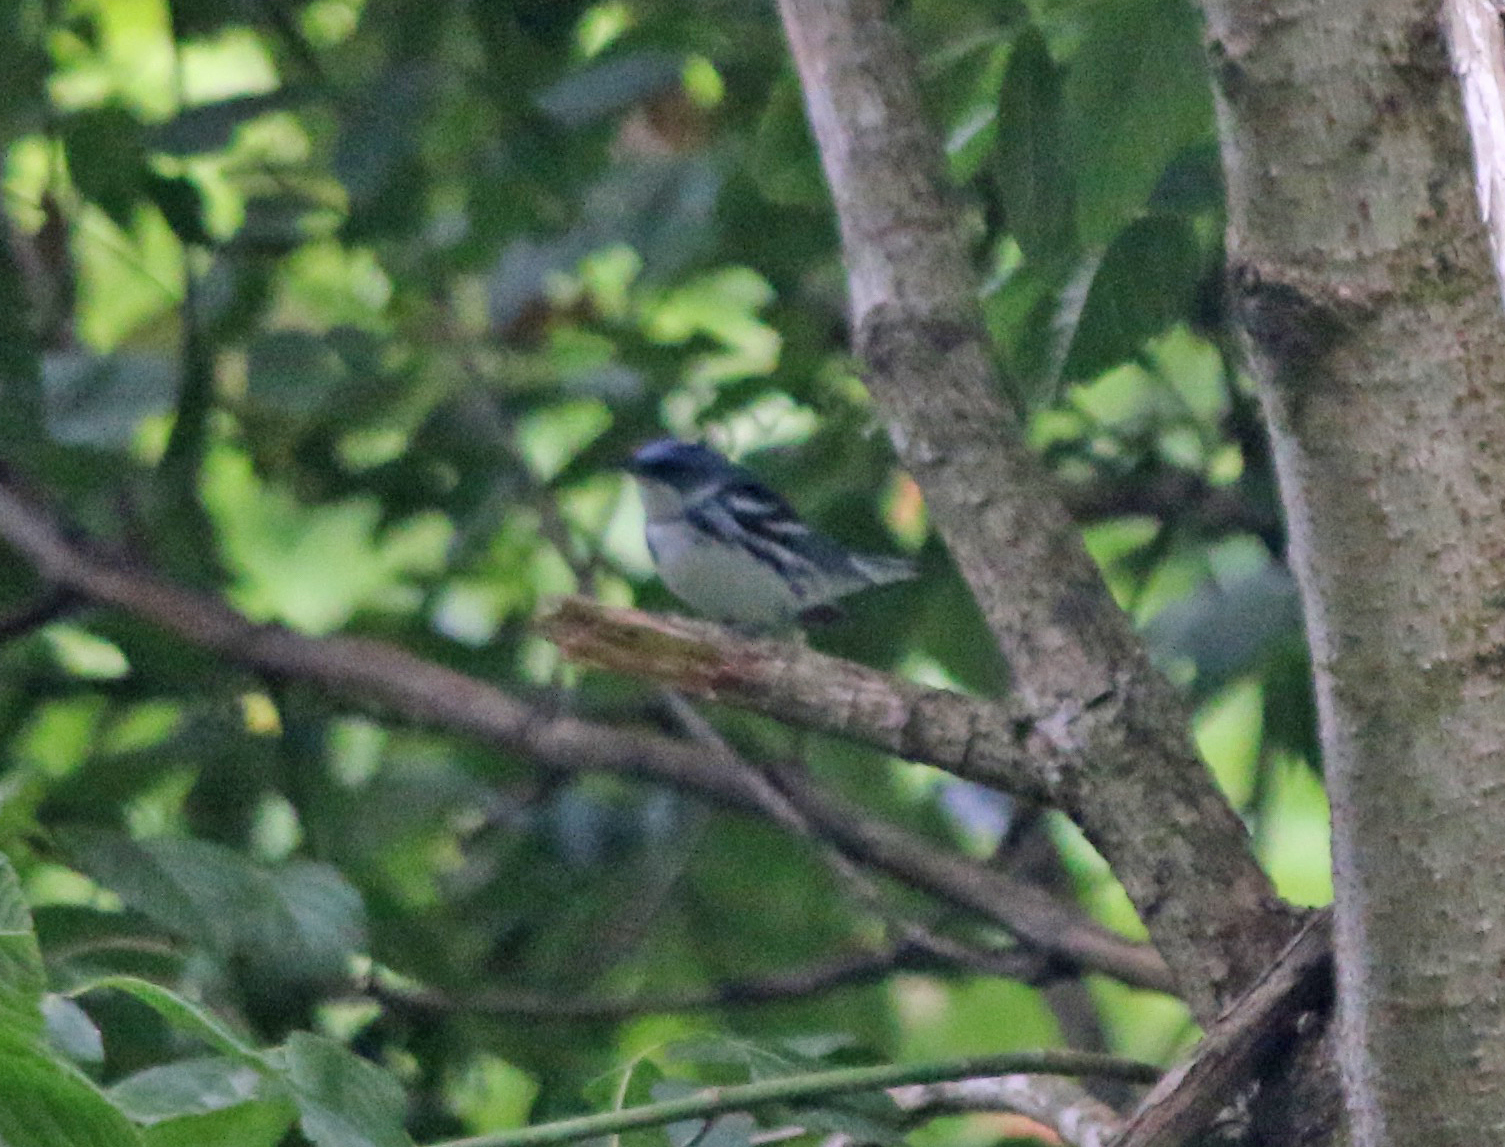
720 580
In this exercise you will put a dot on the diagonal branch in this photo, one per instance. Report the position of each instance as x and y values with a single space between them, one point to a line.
991 742
374 676
798 983
1138 789
1239 1046
33 615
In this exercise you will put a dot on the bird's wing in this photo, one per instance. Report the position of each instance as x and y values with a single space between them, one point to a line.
751 515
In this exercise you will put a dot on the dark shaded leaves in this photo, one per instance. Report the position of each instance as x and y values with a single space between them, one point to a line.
1033 176
1145 282
1138 94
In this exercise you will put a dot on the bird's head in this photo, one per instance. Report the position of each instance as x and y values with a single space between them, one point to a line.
681 465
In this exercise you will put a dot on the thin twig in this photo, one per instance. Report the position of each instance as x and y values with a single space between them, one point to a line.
1059 1103
908 934
815 1086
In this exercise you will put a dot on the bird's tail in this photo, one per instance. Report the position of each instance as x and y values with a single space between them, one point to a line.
882 570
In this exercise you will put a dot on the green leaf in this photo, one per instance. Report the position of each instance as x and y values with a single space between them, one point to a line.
609 86
343 1100
71 1031
20 374
315 921
194 899
259 1124
208 127
22 977
1034 178
1145 282
784 162
300 920
1137 94
209 1100
182 204
1228 630
212 1099
188 1018
734 1130
107 159
47 1104
188 1087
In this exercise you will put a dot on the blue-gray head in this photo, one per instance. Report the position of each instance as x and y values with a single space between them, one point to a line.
682 465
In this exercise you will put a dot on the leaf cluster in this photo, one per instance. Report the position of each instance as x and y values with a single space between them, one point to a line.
349 314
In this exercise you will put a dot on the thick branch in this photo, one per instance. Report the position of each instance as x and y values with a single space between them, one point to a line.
1236 1050
1140 792
373 675
990 742
1365 283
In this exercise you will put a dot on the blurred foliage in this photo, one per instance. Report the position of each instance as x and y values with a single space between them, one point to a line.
348 310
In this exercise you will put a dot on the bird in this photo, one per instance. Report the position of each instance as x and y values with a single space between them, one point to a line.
734 551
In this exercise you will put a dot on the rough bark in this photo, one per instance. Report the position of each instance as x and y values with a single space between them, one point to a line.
1476 41
1242 1046
1364 280
1142 796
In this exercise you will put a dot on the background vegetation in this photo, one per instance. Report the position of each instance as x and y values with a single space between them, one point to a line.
348 312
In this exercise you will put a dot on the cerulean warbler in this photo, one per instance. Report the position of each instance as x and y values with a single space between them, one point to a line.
733 550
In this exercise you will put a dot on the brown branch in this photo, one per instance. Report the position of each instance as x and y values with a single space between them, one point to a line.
901 931
1242 1045
377 677
1035 917
800 983
1137 787
990 742
32 615
1173 496
1061 1104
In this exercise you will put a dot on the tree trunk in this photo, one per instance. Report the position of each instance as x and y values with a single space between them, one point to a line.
1135 784
1363 278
